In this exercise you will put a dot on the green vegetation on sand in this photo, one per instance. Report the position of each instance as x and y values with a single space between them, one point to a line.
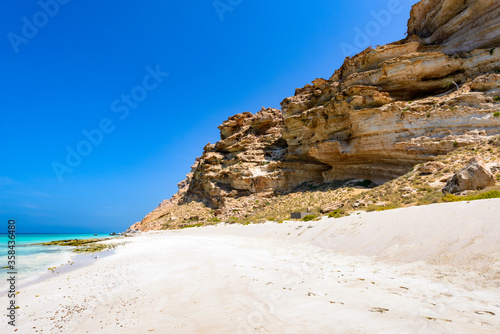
73 242
485 195
83 245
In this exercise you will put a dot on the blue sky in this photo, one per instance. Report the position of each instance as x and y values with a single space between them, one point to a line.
71 67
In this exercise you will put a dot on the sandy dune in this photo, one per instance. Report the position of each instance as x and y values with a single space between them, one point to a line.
433 269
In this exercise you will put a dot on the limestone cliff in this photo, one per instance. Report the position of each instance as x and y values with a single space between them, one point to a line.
457 26
392 107
385 110
251 157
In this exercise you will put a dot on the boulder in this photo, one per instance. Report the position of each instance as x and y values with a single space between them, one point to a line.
430 167
359 203
331 207
475 175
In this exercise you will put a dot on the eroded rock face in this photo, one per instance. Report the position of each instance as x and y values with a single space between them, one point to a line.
457 25
476 175
251 157
384 111
378 116
389 108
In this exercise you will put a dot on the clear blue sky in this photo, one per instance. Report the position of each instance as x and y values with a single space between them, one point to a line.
82 65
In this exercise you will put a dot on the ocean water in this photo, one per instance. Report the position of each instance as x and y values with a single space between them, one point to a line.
33 261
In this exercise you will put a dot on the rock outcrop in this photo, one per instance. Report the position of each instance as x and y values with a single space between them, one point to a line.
367 125
458 26
251 157
431 167
476 175
389 108
384 111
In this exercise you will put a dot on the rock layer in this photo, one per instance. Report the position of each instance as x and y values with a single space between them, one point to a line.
251 157
385 110
458 26
369 130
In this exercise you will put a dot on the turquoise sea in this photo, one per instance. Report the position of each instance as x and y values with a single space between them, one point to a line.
33 261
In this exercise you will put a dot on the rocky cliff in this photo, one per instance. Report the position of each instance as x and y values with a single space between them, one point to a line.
457 26
251 157
385 110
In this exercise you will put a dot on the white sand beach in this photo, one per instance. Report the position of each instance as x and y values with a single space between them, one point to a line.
430 269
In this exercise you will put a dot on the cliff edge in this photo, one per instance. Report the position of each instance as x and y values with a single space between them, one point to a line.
384 111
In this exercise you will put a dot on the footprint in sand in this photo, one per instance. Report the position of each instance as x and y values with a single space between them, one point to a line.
379 310
484 312
434 319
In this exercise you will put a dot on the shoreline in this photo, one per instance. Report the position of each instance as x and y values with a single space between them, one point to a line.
421 269
76 261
